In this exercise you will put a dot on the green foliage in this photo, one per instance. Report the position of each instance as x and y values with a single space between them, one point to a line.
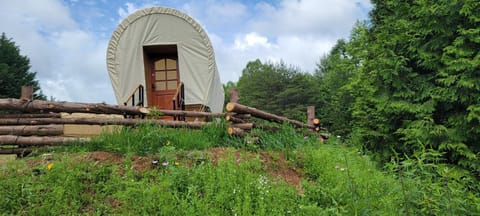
334 74
14 71
150 138
335 179
418 86
276 88
432 187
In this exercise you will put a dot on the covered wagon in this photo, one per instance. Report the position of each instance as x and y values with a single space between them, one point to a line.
160 57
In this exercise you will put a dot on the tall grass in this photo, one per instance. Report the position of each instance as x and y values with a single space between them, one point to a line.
185 180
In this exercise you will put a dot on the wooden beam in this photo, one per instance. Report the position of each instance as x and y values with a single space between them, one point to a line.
232 118
17 151
176 113
98 108
29 130
37 140
99 121
31 115
69 107
233 95
27 93
310 116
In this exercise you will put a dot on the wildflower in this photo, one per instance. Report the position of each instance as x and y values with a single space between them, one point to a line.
337 167
165 163
305 137
338 136
249 142
168 142
50 166
343 169
176 163
238 160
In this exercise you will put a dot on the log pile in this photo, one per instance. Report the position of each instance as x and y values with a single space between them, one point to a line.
39 123
238 117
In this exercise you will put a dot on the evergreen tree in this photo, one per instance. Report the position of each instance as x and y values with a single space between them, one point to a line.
276 88
419 87
334 73
14 71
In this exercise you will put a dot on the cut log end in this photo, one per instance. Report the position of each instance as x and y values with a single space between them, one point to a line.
316 121
143 110
233 131
230 107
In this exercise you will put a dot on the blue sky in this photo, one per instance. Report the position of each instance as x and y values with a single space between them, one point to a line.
66 40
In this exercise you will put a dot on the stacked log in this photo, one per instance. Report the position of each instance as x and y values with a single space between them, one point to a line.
242 109
40 106
39 123
239 126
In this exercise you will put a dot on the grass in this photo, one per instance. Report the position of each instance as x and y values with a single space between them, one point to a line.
154 170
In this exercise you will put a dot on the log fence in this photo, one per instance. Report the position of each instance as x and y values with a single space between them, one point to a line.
40 123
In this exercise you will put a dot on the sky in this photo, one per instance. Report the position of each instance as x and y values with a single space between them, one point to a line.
66 40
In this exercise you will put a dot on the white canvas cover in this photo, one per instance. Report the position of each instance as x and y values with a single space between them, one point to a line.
164 26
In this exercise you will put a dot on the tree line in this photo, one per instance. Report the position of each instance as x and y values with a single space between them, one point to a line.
405 81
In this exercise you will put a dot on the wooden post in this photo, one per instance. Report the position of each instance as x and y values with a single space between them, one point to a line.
27 93
233 95
310 116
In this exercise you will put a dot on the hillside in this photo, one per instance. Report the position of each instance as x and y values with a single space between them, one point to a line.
154 170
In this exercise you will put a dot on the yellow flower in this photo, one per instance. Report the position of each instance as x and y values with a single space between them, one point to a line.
176 163
168 142
50 166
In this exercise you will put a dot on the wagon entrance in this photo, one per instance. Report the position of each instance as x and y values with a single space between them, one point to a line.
162 75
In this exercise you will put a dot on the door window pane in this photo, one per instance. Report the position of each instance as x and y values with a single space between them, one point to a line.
172 85
160 85
171 64
160 75
171 75
160 64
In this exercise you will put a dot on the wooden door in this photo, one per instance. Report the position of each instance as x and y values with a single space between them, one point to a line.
163 81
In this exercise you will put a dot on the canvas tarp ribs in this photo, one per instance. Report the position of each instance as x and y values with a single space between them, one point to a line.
164 26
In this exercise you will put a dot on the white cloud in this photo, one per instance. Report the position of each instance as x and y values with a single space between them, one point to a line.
251 40
308 17
70 63
296 32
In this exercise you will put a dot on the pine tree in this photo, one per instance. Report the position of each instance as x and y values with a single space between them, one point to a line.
14 71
